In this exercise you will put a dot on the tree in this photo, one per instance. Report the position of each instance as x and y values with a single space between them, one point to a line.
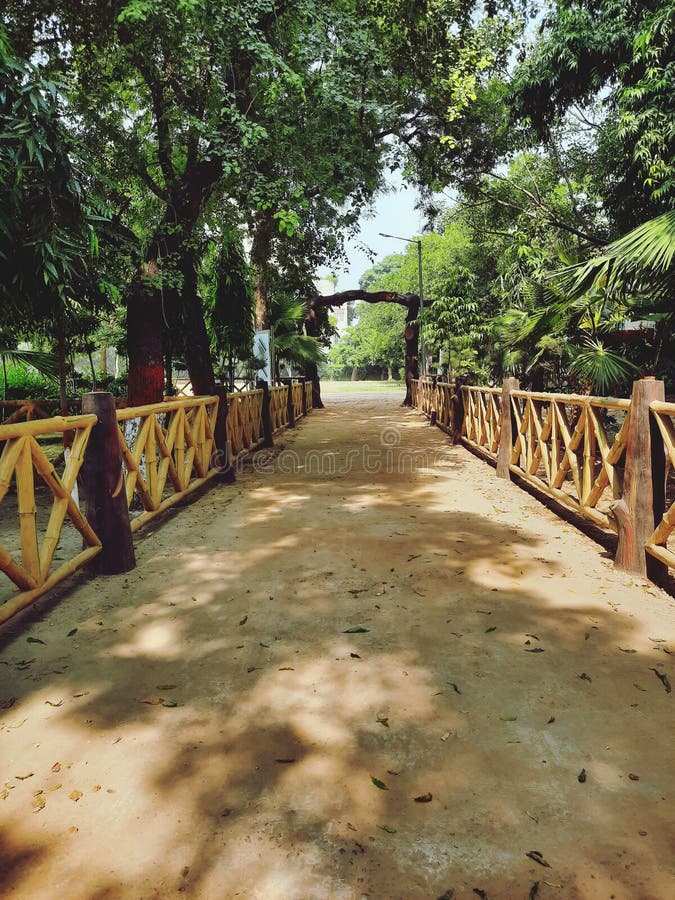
376 339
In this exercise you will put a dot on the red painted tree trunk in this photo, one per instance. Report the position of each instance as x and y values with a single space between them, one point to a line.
144 341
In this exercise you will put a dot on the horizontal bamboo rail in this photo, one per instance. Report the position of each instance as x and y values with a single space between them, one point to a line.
244 420
173 446
663 415
22 457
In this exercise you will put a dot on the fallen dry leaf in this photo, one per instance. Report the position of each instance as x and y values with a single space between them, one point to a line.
23 777
538 858
56 767
424 798
75 795
153 701
39 803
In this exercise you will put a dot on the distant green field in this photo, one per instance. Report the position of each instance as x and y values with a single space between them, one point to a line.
362 387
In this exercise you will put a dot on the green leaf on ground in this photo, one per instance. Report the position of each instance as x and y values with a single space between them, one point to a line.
72 632
491 628
357 629
387 828
508 718
244 620
379 784
32 640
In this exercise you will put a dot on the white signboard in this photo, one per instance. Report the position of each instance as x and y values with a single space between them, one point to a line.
263 350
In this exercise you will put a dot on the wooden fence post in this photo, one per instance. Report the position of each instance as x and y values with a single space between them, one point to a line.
506 429
267 427
289 401
642 503
458 411
303 382
103 483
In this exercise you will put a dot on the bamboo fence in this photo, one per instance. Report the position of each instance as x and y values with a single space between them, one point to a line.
22 458
279 407
297 389
171 451
663 414
573 448
244 420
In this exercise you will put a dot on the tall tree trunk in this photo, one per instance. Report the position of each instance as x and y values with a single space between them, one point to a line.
197 348
260 256
144 340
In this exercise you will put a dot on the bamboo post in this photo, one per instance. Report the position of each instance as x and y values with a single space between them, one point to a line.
506 429
289 401
223 448
103 482
458 411
304 396
267 426
643 500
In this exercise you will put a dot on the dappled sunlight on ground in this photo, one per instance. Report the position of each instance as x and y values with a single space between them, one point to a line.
223 726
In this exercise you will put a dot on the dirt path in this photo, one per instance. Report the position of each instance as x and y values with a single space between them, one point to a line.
224 728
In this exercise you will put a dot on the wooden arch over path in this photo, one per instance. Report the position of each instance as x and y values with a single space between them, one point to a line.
411 334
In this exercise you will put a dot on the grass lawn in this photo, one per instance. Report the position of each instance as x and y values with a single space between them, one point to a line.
361 387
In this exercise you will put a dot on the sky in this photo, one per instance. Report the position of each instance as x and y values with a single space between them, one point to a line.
393 213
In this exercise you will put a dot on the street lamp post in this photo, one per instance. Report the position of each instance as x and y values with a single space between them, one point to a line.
423 356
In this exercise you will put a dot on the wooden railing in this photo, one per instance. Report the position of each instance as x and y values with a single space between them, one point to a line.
482 418
663 414
297 389
244 420
308 396
23 457
279 407
591 454
29 410
170 450
571 448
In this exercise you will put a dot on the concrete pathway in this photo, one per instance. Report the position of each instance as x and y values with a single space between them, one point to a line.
212 725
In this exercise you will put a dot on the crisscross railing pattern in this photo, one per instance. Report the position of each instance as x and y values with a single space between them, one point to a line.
29 410
297 389
482 418
657 544
172 448
244 420
22 458
278 407
562 446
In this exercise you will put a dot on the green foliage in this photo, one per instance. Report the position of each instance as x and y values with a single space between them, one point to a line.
376 339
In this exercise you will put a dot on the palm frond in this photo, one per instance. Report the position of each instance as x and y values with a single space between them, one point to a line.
298 348
640 261
603 368
44 363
